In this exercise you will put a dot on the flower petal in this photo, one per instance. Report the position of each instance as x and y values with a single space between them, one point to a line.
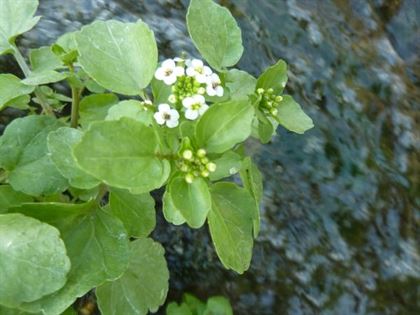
160 73
210 91
191 114
164 107
191 72
199 99
174 114
188 102
159 118
170 79
207 71
168 64
172 123
197 63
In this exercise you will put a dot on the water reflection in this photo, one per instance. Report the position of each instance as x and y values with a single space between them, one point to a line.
340 230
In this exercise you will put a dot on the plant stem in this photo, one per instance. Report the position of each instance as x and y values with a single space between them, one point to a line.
75 95
46 108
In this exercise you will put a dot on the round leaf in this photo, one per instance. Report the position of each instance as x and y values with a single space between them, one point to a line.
122 153
143 287
215 33
193 200
16 17
292 117
275 77
224 125
24 153
231 224
121 57
137 212
60 145
11 88
33 260
96 243
95 107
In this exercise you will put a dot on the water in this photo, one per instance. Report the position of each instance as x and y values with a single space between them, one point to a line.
340 216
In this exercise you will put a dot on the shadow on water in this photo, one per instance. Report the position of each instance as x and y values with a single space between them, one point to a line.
340 217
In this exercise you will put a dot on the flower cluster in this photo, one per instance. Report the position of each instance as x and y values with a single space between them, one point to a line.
269 101
190 81
195 164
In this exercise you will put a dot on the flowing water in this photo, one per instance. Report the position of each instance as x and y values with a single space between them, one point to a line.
340 216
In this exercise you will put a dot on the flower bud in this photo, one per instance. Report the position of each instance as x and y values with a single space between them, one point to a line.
205 173
211 167
260 91
274 111
172 98
279 98
204 160
201 90
189 178
201 153
187 154
270 91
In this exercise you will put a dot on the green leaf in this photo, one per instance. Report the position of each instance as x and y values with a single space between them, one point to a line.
218 305
10 198
60 146
20 102
193 200
231 223
224 125
215 33
227 165
143 287
43 59
170 212
96 243
16 17
11 88
44 77
252 181
122 154
292 117
95 107
160 91
263 127
24 153
137 212
121 57
130 109
194 304
275 77
240 84
174 309
30 250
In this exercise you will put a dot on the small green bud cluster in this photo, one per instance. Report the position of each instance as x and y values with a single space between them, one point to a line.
195 164
185 86
269 101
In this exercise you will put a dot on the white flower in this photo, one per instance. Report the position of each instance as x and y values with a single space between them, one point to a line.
198 70
195 105
166 115
214 87
168 72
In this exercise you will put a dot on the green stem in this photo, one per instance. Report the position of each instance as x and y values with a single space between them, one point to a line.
75 95
103 189
46 108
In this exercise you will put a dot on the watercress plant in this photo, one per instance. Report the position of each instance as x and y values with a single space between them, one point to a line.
75 206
